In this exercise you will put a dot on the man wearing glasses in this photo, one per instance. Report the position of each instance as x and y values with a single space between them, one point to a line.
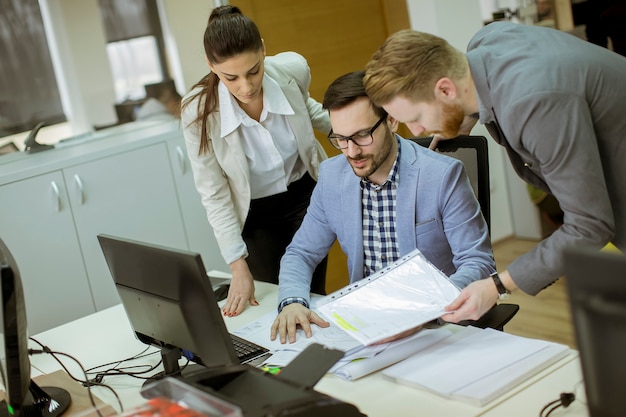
381 199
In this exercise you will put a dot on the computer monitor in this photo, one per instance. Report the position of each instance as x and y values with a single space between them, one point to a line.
596 283
169 300
23 396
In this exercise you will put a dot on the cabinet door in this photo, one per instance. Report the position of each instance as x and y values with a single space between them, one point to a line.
131 195
199 232
36 225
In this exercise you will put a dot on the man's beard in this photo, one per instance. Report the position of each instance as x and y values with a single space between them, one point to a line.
452 117
378 159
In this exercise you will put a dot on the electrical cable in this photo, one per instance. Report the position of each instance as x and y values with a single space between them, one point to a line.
565 399
53 354
85 382
138 375
140 355
98 376
117 370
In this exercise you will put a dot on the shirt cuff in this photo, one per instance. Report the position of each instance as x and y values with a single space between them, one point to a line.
291 300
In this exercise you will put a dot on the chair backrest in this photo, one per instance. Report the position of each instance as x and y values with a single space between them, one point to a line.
473 152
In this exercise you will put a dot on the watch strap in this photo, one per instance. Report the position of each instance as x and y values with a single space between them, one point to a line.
499 285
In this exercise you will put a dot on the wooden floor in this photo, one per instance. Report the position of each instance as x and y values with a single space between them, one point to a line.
545 316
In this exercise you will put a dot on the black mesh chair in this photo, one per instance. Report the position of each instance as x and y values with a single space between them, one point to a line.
473 152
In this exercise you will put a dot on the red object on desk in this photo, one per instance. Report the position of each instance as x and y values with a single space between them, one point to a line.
162 407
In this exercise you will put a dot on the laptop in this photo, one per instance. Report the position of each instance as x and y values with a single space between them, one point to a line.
596 284
170 303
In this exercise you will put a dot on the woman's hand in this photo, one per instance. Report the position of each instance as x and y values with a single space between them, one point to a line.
241 290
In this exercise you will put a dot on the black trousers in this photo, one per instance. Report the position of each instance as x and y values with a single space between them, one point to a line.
270 226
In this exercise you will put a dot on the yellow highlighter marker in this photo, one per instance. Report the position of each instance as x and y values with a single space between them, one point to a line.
343 323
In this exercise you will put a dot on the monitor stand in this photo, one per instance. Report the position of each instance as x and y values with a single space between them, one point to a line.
171 368
41 402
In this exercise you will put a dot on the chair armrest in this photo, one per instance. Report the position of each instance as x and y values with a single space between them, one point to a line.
497 317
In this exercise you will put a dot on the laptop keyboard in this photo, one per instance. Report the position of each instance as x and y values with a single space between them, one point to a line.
247 350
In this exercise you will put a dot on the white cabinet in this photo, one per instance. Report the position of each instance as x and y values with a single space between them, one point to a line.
199 232
132 195
134 182
37 226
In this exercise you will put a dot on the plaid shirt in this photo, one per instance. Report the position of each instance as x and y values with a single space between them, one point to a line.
380 246
380 238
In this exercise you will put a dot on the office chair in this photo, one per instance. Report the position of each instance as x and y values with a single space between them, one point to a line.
473 152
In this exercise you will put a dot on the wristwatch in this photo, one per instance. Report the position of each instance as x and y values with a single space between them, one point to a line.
502 291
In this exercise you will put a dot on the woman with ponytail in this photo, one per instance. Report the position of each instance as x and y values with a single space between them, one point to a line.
248 127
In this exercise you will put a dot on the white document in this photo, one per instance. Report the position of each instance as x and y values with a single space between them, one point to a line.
370 359
404 295
476 365
259 332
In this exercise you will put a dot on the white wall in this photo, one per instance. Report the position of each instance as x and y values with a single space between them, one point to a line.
80 56
183 35
454 20
501 210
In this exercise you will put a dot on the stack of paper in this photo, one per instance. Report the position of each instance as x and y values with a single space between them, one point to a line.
358 363
476 365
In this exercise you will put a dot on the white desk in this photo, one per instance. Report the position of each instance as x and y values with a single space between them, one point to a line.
107 336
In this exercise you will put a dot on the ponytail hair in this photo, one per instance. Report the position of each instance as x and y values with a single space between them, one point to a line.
228 33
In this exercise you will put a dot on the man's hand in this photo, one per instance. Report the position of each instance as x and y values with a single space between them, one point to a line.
288 320
464 130
241 291
474 301
435 141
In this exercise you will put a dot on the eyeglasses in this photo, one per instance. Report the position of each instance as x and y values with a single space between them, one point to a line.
362 138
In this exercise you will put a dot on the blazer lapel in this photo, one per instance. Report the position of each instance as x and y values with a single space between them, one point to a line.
352 218
231 155
299 121
406 199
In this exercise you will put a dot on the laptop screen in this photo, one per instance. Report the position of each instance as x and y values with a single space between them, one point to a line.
596 283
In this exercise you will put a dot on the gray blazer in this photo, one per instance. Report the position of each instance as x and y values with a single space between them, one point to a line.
557 104
437 213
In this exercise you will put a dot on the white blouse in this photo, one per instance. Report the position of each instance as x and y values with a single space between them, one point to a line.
269 144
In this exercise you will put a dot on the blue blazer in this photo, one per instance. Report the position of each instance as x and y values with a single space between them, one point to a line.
437 213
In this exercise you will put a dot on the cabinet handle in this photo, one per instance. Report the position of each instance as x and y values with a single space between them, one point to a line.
56 196
181 159
80 195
